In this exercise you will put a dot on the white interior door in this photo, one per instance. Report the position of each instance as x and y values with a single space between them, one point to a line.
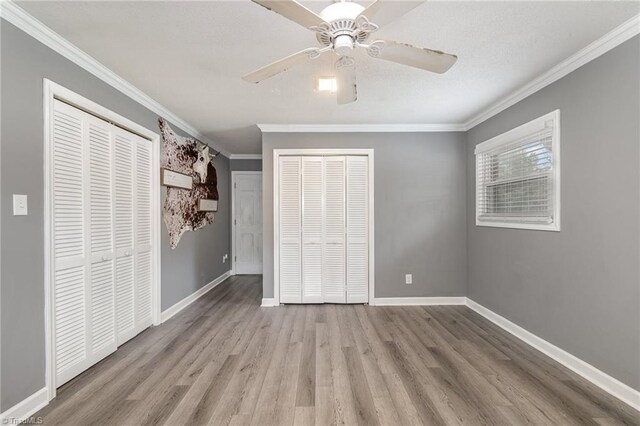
334 256
143 235
323 229
102 248
290 228
247 220
69 178
312 229
357 229
124 145
101 297
83 278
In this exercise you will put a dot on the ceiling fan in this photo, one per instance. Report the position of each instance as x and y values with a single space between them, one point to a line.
341 28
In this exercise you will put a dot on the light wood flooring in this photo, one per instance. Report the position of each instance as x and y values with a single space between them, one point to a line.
225 360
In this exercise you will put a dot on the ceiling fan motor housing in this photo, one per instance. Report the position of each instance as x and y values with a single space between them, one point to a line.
343 45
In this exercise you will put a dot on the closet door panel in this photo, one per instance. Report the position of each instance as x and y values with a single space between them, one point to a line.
70 323
357 230
125 299
99 136
333 287
290 228
124 145
143 291
103 338
70 260
101 278
312 229
143 234
68 181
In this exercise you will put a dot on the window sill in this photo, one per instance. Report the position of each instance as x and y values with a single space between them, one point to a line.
517 225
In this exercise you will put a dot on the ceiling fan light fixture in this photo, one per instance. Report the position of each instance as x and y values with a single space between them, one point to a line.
327 84
341 10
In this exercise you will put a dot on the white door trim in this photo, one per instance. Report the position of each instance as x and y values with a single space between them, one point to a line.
234 175
277 153
55 91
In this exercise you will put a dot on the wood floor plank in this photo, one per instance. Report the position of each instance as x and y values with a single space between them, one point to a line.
305 391
226 361
344 406
207 405
405 409
304 416
362 398
264 410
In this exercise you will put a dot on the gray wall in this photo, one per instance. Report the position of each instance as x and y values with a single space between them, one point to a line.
579 288
246 165
419 207
196 261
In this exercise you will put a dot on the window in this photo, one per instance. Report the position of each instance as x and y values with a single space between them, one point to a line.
518 177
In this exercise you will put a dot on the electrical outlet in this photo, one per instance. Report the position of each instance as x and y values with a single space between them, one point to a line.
408 279
225 258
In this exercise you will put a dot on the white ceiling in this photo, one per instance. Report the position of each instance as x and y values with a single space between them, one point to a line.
189 56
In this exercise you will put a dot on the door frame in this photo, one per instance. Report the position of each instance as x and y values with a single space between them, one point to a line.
51 92
277 153
234 175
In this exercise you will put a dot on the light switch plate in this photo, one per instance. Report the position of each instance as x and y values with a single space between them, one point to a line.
19 205
408 279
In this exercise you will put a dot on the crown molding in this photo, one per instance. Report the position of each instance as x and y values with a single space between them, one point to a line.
607 42
17 16
592 51
359 128
245 157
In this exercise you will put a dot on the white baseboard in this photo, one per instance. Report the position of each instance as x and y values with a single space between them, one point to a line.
192 297
269 302
25 408
607 383
412 301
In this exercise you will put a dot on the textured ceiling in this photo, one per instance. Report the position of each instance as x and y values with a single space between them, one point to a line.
189 56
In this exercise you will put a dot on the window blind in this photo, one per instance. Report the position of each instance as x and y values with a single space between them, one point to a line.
515 177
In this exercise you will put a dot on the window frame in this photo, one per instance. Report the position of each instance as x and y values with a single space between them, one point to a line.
533 126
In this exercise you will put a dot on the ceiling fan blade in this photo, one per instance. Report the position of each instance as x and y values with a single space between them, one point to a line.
381 12
282 65
293 11
347 90
406 54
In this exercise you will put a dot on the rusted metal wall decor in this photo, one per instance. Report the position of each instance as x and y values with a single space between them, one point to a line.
181 206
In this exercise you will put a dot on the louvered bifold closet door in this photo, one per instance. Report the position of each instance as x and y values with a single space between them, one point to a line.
357 229
312 229
99 139
69 258
124 150
290 228
334 246
143 233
